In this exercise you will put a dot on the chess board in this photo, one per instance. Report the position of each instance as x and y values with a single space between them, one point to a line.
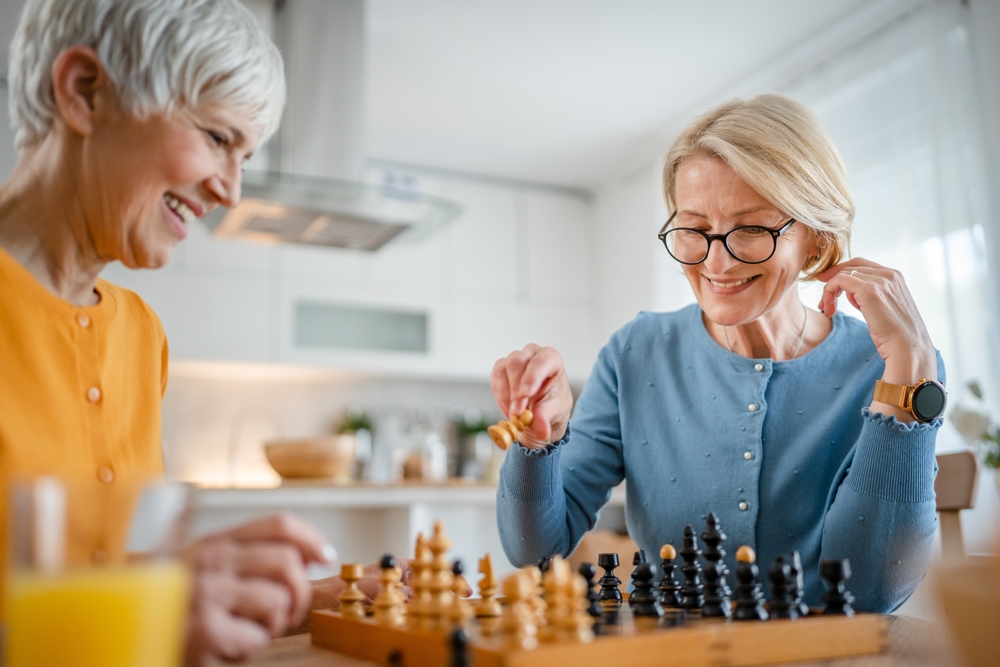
678 638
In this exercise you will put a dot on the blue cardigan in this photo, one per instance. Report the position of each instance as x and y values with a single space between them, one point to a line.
785 453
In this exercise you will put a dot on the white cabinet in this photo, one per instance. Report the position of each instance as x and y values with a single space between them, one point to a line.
515 267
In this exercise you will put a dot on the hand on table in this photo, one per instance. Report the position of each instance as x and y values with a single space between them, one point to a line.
250 585
535 378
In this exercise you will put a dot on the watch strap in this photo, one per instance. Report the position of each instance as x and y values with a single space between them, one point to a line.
893 394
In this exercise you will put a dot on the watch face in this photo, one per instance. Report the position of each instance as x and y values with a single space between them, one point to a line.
928 401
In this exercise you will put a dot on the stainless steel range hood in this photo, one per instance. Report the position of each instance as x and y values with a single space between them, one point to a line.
313 195
283 208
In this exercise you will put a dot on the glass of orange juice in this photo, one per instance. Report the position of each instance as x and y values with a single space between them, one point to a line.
114 611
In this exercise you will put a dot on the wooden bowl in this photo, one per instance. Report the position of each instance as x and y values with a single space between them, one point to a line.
311 458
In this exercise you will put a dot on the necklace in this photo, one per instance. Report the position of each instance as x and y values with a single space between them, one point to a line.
802 333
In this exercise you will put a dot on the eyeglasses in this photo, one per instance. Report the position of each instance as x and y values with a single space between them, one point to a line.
750 245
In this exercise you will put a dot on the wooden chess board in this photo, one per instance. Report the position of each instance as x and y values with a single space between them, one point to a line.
679 638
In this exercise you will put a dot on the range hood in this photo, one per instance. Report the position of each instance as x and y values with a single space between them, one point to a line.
313 194
284 208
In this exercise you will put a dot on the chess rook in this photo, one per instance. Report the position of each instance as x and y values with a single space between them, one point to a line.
781 603
351 598
609 582
507 432
836 600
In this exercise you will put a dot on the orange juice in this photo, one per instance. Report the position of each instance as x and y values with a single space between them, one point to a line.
128 616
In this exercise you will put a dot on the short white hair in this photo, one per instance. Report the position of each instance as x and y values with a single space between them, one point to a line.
782 151
158 54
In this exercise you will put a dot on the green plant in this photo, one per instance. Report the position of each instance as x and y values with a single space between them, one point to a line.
989 447
354 420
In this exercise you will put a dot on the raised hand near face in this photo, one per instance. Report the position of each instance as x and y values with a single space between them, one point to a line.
534 377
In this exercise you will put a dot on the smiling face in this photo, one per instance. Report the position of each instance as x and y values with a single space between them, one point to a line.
144 180
712 198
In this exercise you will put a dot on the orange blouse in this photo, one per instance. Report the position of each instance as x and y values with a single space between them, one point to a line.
80 395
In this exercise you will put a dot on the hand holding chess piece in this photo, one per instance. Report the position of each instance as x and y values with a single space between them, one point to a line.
534 376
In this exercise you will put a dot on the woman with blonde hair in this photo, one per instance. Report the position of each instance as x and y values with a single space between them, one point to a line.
800 429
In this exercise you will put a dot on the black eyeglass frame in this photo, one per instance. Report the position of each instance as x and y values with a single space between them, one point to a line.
775 233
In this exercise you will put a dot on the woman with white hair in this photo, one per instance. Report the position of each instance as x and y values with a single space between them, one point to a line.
132 119
801 430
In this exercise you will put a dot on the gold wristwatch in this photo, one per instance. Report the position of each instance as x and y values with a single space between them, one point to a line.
925 400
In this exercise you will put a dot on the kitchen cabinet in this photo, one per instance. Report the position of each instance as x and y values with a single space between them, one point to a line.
515 267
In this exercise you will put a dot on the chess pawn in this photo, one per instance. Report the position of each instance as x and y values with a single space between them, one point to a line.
836 600
441 578
390 608
717 593
461 610
796 583
645 599
518 621
588 572
507 432
351 598
609 582
693 591
749 599
781 604
489 606
670 590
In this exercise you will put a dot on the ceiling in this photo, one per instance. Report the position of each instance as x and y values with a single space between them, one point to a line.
568 92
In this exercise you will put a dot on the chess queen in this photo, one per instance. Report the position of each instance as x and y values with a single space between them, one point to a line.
799 427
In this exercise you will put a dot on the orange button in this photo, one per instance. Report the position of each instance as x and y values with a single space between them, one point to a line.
99 557
106 474
83 320
93 394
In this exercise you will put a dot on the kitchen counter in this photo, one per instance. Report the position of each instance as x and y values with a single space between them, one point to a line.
364 521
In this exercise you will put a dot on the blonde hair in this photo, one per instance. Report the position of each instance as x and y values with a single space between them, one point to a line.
159 54
782 151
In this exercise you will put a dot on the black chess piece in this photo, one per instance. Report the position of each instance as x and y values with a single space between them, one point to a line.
693 590
459 648
781 604
588 571
749 599
544 563
388 562
796 584
837 599
717 593
645 598
639 557
670 590
609 582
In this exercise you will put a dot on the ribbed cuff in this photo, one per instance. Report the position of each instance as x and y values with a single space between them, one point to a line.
894 461
532 475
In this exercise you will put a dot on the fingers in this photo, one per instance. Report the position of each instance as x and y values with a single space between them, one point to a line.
232 616
286 527
279 563
517 363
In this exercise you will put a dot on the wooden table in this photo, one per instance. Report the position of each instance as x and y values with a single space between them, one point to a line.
914 643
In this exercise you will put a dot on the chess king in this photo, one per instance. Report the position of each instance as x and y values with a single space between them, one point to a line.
801 428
